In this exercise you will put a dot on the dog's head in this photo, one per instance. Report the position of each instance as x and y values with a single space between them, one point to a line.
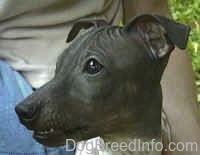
107 81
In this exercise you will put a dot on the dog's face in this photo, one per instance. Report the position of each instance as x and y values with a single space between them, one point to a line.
101 84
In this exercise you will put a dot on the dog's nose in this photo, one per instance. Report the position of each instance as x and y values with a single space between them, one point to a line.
26 111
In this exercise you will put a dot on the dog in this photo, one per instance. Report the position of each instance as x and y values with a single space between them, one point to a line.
106 83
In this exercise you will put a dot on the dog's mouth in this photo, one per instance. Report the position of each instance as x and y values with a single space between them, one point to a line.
57 137
50 137
45 133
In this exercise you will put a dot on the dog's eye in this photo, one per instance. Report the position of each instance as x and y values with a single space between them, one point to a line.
92 66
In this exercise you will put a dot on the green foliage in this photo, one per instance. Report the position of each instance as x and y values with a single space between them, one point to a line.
188 12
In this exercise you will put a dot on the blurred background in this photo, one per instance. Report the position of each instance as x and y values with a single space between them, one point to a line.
188 12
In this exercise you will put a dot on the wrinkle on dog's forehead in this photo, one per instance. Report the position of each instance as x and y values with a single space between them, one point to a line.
107 40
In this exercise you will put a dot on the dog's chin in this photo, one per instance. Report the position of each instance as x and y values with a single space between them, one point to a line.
50 138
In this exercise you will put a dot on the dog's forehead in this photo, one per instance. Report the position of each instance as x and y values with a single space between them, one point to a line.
108 40
110 44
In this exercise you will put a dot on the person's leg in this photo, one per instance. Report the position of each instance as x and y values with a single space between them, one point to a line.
179 92
179 98
14 138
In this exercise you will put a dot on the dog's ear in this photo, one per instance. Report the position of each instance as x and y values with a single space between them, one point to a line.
159 33
83 24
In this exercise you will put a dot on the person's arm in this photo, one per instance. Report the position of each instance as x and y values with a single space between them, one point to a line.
179 91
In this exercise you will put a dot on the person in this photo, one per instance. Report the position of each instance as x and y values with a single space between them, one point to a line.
32 36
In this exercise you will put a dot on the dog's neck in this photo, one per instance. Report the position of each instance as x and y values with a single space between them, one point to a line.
132 145
127 142
144 130
146 107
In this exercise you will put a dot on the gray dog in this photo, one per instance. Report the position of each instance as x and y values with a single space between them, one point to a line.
107 83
